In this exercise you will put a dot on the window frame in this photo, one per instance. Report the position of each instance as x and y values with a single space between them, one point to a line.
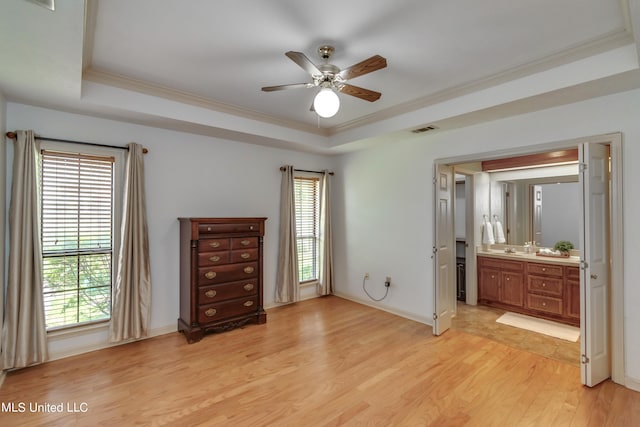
117 191
318 177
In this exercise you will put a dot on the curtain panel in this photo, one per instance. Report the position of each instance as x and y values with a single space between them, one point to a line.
287 289
132 290
24 335
325 282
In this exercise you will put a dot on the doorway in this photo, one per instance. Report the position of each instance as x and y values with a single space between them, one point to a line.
614 331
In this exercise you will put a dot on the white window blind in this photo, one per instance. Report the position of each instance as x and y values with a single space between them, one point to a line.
77 237
307 226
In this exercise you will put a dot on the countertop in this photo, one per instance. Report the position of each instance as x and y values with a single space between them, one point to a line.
521 256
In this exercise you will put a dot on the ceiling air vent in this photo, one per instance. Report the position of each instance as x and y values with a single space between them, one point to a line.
424 129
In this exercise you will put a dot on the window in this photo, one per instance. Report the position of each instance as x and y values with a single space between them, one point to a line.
307 201
77 237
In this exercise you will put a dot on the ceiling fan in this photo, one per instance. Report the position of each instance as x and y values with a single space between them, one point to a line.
329 77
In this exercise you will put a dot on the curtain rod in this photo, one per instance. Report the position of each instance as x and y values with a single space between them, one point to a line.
283 168
13 135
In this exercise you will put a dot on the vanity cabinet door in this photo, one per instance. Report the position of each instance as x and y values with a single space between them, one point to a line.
489 284
572 294
512 290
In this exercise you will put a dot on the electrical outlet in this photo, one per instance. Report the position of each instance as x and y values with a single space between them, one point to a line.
366 276
387 282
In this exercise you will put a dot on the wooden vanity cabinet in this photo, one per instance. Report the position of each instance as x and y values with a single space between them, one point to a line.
501 282
220 274
539 289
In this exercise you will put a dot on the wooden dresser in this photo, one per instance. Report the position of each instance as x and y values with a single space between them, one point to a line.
220 274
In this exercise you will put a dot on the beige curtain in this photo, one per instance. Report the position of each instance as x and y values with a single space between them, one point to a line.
24 335
287 289
325 282
132 292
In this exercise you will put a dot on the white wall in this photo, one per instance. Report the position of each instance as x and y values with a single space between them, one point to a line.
186 175
384 203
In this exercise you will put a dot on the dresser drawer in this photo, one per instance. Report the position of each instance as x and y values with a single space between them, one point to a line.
224 310
227 273
244 242
545 269
244 255
217 293
544 303
547 285
208 245
213 258
501 264
248 227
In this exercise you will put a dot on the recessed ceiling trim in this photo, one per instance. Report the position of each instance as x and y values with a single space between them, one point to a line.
146 88
615 39
47 4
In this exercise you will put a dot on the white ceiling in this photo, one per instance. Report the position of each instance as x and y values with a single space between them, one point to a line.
214 56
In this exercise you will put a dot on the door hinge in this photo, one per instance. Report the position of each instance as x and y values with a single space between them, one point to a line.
582 167
584 359
435 316
583 264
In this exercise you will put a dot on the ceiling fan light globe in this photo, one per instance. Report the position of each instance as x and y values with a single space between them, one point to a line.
326 103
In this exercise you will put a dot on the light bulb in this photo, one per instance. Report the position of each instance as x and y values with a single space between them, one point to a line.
326 103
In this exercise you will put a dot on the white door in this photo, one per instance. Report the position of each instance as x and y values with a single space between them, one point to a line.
594 242
444 250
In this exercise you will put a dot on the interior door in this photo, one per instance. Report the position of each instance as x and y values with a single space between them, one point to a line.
444 250
595 274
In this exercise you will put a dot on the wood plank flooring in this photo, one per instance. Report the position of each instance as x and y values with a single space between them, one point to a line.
322 362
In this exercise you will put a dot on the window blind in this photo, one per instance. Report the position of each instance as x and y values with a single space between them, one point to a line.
77 235
307 227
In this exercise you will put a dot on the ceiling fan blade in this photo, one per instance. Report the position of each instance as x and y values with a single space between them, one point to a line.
304 62
374 63
283 87
359 92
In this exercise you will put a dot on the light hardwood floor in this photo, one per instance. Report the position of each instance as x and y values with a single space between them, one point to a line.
322 362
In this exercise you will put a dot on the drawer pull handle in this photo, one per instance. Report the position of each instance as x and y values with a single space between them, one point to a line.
210 274
544 304
248 287
214 244
211 312
248 303
210 293
544 285
245 255
245 242
248 270
214 258
544 269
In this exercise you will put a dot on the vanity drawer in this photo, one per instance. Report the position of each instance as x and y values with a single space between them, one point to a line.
217 293
547 285
544 303
501 264
545 269
227 273
224 310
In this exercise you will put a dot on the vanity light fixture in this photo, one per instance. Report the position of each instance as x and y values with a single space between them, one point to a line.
326 103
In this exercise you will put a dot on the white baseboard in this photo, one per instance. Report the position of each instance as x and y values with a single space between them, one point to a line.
632 383
421 319
68 352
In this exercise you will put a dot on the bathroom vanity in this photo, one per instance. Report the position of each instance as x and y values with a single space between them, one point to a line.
545 287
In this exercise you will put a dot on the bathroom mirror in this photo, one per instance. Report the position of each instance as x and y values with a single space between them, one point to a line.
540 205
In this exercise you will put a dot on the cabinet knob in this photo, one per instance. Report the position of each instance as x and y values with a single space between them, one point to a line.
211 312
248 270
248 287
245 255
493 277
544 269
544 285
210 274
544 304
210 293
508 278
248 303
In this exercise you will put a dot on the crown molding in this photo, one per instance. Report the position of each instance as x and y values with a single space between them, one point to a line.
612 40
123 82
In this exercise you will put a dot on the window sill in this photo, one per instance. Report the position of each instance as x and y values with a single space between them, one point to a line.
308 284
79 330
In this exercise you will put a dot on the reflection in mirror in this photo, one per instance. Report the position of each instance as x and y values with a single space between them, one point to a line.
538 204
